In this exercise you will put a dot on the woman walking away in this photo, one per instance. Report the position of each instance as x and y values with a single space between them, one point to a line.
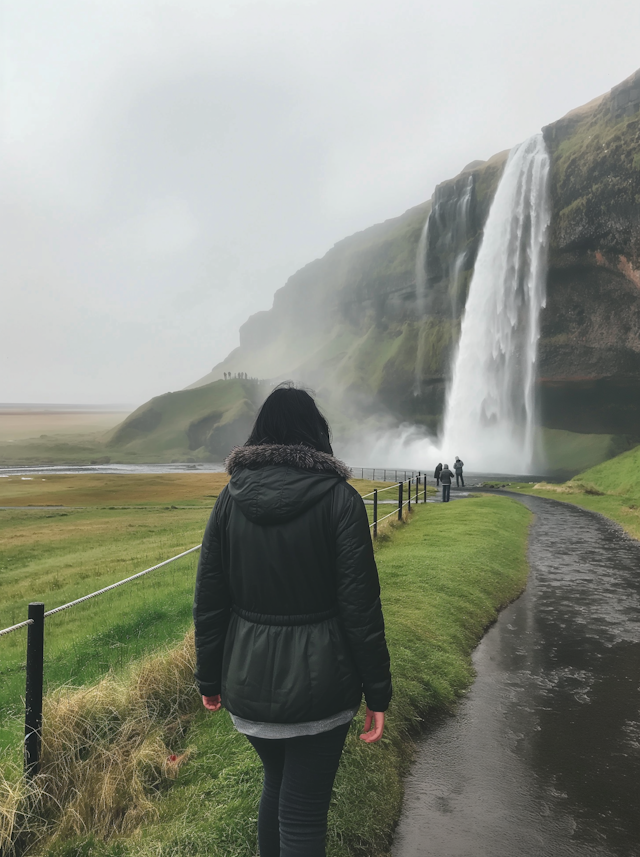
436 474
289 627
457 466
445 477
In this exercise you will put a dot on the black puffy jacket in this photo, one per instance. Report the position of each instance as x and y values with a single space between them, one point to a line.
287 610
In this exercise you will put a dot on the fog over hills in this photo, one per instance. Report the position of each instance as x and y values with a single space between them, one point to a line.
374 325
167 165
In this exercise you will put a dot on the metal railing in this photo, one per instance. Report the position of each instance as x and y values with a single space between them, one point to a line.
419 479
373 472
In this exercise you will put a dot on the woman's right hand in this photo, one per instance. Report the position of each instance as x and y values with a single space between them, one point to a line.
212 703
373 726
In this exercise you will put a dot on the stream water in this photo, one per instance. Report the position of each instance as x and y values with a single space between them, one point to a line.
543 755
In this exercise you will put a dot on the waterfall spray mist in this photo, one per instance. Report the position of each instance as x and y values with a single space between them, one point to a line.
421 301
447 229
490 413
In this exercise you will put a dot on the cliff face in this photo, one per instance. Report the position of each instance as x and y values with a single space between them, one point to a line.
367 323
590 345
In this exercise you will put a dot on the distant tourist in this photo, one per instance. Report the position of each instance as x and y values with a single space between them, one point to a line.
458 465
436 474
289 627
445 477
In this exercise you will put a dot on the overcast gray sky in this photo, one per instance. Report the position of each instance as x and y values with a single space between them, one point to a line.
167 164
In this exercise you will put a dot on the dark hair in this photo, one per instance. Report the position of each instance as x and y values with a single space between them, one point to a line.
289 415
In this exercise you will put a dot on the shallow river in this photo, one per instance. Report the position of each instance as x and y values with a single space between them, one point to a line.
543 754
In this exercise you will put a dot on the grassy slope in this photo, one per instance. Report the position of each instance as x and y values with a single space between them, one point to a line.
439 594
611 488
567 452
175 411
620 475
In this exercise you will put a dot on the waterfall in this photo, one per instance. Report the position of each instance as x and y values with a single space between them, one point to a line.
447 229
490 413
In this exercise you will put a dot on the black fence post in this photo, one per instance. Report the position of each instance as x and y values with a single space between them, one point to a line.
33 692
375 513
425 487
409 487
400 485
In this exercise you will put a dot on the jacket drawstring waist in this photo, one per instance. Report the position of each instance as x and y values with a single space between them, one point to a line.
287 620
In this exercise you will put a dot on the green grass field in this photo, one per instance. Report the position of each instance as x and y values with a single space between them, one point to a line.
98 529
440 591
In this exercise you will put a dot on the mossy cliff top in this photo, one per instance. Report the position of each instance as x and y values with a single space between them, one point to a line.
590 345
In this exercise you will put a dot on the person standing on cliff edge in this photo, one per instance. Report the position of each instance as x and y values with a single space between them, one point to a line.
458 465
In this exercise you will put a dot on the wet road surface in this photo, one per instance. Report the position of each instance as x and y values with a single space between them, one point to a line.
543 754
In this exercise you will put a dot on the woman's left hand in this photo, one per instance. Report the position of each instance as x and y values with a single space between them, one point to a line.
212 703
373 726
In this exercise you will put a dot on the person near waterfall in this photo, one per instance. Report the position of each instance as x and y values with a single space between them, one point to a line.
446 476
288 621
436 474
458 465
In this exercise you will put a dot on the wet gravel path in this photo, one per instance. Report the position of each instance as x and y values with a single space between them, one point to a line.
543 754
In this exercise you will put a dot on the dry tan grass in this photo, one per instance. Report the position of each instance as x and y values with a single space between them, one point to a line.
570 488
20 424
107 750
567 488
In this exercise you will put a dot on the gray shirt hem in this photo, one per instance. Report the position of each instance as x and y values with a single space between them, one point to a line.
292 730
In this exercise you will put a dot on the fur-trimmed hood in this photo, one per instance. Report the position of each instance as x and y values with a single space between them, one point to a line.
285 455
274 483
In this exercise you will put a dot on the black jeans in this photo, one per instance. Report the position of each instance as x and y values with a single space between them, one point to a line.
446 492
459 479
298 779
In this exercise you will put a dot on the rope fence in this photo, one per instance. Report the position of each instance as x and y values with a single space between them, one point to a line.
36 612
120 582
35 659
